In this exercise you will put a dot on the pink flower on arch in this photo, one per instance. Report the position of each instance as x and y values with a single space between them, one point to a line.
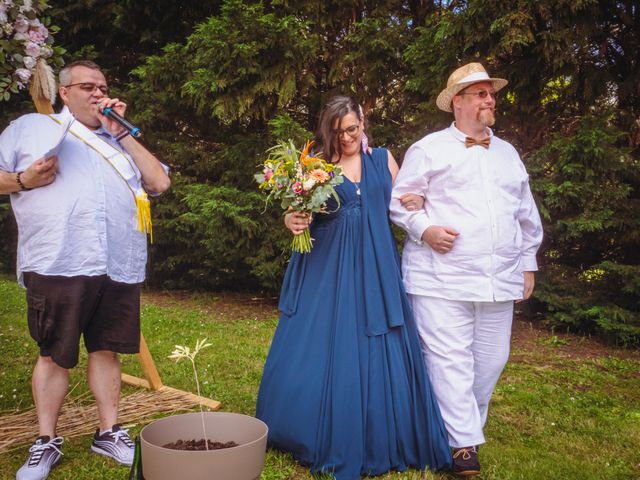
23 75
32 49
37 36
21 25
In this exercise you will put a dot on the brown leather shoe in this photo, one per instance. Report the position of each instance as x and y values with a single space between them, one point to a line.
465 461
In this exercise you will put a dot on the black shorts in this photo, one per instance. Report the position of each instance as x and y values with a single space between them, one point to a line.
60 309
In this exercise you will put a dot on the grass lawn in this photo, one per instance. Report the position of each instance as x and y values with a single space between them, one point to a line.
566 407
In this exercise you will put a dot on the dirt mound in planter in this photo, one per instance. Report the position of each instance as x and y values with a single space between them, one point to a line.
198 445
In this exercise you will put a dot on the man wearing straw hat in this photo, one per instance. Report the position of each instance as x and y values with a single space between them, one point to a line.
82 215
470 252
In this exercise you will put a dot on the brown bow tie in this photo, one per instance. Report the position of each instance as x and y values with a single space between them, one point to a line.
470 142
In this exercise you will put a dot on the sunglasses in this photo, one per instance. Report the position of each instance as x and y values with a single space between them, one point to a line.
89 87
482 94
352 131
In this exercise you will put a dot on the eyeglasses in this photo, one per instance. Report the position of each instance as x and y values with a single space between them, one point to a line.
352 131
482 94
90 87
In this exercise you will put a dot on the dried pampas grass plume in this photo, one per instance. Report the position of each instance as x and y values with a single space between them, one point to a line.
43 87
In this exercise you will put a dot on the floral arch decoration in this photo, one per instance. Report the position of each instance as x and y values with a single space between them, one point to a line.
26 50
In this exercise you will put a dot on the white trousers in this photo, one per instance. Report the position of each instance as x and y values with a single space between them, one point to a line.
465 346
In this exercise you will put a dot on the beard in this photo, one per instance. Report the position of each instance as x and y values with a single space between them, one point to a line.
487 117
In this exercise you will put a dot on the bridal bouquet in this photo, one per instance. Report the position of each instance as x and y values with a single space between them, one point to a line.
303 183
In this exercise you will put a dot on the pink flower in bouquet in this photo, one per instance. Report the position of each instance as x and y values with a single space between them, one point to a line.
318 175
296 187
268 173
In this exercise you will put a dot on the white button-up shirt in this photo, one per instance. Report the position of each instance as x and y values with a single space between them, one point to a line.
85 222
482 193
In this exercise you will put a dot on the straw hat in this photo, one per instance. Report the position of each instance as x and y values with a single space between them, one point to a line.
461 78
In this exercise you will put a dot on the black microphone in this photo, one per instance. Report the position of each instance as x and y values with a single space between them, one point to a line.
132 129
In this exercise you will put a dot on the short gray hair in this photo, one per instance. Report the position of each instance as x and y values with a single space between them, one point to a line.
65 74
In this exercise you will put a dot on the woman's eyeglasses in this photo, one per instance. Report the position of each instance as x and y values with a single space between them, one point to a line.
352 131
482 94
90 87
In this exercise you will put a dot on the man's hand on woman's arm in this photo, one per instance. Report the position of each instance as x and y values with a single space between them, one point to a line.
412 202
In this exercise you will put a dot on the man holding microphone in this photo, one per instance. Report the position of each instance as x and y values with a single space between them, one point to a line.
82 218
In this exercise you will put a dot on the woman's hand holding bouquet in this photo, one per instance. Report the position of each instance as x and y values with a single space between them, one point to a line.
303 184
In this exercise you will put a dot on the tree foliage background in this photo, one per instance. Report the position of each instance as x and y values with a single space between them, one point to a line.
213 84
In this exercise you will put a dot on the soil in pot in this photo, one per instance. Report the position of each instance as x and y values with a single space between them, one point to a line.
198 445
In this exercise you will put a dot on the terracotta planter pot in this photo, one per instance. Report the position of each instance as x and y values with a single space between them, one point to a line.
244 462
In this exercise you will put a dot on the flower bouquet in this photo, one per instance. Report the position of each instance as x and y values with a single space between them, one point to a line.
303 183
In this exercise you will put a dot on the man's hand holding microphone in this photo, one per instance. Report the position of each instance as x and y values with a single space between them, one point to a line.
111 116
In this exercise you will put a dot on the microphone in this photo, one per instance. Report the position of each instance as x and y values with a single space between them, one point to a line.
132 129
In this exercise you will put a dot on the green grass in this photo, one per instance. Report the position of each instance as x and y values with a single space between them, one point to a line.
565 407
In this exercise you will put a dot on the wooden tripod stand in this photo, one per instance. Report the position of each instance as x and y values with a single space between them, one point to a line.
152 379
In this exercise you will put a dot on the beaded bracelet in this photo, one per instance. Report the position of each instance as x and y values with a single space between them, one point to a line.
20 184
122 135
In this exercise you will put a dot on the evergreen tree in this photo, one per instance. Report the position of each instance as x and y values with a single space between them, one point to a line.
590 280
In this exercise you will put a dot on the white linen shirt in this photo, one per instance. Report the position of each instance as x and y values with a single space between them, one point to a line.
482 193
85 222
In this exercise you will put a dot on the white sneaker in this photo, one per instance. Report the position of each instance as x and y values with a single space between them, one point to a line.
44 454
115 443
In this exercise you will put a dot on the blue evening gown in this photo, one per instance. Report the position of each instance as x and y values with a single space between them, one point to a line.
344 387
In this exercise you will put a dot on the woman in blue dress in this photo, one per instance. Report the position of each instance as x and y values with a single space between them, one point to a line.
344 387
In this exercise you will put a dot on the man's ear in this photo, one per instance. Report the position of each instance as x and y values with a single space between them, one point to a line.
455 101
62 91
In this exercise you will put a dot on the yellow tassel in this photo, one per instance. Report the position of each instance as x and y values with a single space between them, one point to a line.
144 214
